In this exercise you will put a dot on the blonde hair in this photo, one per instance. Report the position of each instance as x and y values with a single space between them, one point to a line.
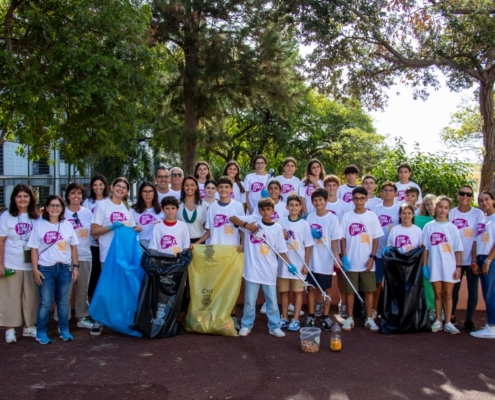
422 210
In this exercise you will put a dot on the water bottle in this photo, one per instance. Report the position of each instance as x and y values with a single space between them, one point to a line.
335 339
9 272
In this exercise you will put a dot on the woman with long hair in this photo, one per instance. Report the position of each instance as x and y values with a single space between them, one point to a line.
202 173
256 183
147 211
313 178
233 171
192 209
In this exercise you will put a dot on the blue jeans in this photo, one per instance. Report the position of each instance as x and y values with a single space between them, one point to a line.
57 282
488 289
250 296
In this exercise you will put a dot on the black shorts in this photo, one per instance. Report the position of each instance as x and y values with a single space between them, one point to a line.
325 281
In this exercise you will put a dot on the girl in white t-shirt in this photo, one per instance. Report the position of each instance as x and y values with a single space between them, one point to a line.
442 261
290 183
202 173
280 211
147 211
313 179
406 236
256 182
238 193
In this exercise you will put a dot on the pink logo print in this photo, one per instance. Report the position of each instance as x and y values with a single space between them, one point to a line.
460 223
167 241
401 195
75 225
291 234
93 210
255 240
146 219
310 189
220 220
117 216
333 212
385 220
347 197
22 228
257 187
275 216
51 237
480 228
356 229
287 188
232 195
318 228
402 240
437 237
202 193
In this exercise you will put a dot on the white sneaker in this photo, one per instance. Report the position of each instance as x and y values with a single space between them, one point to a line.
450 328
10 336
318 309
371 325
277 332
85 322
290 310
30 331
263 308
374 314
436 326
244 331
348 324
488 332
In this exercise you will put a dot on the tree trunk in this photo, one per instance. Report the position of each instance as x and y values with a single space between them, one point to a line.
486 111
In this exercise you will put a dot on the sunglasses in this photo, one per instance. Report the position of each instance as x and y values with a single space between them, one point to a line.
76 217
175 175
467 194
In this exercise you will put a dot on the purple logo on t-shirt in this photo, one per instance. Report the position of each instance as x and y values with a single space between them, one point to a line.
292 234
202 193
167 241
257 187
385 220
480 228
51 237
275 216
402 240
117 216
287 188
220 220
401 195
146 219
333 212
232 195
310 189
318 228
347 197
255 240
460 223
356 229
22 228
437 237
93 210
75 225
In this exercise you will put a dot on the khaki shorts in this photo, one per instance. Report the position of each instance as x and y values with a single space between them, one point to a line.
364 281
286 284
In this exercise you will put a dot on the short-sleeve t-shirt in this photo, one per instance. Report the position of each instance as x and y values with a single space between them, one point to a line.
280 211
91 206
146 220
372 203
388 217
202 192
467 224
254 184
222 231
405 238
359 231
82 226
344 192
170 239
301 237
339 208
401 192
236 193
306 191
485 235
289 186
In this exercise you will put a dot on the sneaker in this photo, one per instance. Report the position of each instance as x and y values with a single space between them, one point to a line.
290 310
236 323
10 336
277 332
66 336
374 314
43 338
96 329
453 320
436 326
284 323
343 310
30 331
310 321
318 309
263 308
469 326
85 322
348 324
443 316
326 324
488 332
432 315
244 331
294 325
371 325
450 328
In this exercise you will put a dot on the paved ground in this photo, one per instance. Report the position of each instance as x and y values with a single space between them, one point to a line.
193 366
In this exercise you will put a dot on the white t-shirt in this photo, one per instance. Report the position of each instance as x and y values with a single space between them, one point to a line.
161 196
467 224
388 217
289 186
339 208
237 195
359 231
175 193
405 238
401 192
91 206
254 184
106 214
82 230
344 193
306 191
372 203
300 234
222 231
485 235
260 261
442 240
170 239
196 229
53 242
329 227
202 192
146 220
17 231
280 211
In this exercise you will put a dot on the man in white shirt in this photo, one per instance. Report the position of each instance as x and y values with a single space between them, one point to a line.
162 179
177 176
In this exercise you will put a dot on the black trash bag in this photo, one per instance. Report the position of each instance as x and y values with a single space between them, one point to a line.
404 301
161 293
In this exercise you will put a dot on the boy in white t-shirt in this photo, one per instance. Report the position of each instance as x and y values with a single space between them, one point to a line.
290 183
261 265
361 229
411 197
404 172
369 183
351 173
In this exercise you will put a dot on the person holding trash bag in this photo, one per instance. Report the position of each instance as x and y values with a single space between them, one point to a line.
442 261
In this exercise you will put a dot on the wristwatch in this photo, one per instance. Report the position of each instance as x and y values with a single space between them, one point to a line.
75 265
373 256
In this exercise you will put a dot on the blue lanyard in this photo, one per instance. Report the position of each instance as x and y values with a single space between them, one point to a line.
25 236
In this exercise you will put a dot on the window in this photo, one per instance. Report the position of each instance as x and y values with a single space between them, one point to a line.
41 193
41 167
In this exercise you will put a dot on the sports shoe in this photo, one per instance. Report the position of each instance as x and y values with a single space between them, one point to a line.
10 336
96 329
236 323
43 338
318 309
326 324
290 310
432 315
348 324
294 325
85 322
277 332
436 326
263 308
488 332
453 320
469 326
284 323
374 314
30 331
310 321
450 328
343 310
371 325
244 331
66 336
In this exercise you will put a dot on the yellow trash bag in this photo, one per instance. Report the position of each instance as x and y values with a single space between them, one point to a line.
215 276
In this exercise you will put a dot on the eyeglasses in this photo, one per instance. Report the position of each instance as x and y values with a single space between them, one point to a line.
176 175
76 218
54 206
163 176
467 194
359 198
120 187
148 192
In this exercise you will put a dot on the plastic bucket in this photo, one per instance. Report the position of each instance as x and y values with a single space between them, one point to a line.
310 339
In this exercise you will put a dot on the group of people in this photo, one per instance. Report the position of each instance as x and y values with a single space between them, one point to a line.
294 233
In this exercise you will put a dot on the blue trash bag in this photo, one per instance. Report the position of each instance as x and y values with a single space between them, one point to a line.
116 296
